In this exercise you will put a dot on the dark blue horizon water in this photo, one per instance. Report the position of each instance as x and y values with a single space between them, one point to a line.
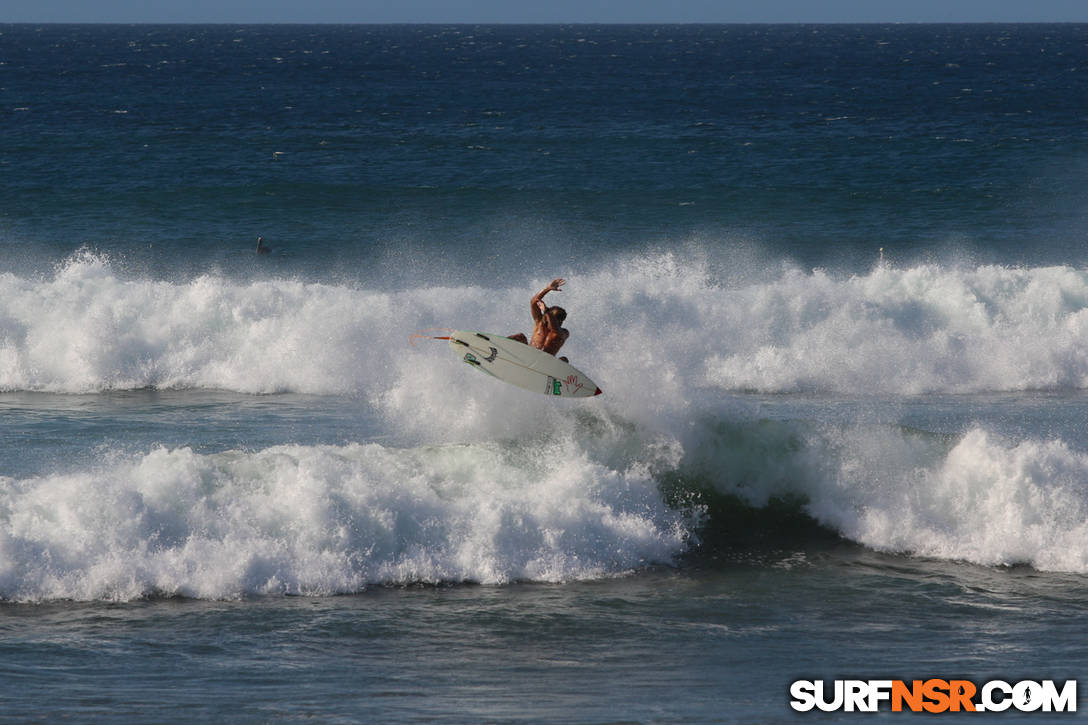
831 278
826 142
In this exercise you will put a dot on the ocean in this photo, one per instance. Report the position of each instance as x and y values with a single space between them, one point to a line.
832 280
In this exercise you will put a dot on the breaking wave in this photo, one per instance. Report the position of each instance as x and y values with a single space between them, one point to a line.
655 327
321 520
660 467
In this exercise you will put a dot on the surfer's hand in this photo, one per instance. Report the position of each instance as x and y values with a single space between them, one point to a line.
557 284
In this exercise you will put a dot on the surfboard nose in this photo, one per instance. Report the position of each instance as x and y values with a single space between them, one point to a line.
599 391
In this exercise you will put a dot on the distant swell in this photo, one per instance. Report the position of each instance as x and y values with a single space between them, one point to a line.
657 329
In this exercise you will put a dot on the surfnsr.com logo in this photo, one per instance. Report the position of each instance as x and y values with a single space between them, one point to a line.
933 695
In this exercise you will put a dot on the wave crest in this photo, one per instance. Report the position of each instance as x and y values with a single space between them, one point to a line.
974 497
320 520
654 328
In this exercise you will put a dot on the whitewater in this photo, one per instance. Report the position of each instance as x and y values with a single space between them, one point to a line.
659 327
710 382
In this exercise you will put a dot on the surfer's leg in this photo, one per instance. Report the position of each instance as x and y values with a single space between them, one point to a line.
519 337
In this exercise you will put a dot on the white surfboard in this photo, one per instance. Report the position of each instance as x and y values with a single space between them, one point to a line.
522 365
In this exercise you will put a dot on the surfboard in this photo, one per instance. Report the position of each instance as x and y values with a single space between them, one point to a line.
521 365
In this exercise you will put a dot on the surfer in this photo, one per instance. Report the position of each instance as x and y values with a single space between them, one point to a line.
548 331
261 249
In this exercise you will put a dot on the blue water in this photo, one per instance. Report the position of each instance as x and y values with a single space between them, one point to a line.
831 279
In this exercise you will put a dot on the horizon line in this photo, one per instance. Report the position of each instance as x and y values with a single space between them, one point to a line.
545 23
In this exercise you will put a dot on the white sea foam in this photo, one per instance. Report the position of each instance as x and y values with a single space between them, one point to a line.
989 502
929 328
318 520
974 497
658 329
662 334
325 519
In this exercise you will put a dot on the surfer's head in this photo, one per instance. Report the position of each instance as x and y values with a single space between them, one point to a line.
558 313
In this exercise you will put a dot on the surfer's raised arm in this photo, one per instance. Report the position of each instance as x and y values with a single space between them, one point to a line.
548 331
537 306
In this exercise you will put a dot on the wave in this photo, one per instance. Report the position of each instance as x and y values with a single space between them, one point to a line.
599 497
925 329
322 520
667 464
975 497
652 327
